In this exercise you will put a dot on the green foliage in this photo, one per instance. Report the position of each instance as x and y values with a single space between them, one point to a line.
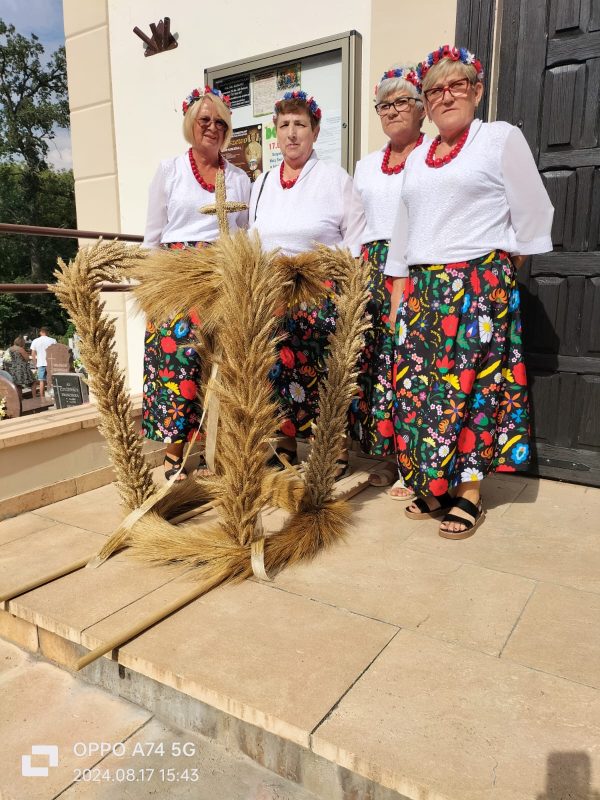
33 104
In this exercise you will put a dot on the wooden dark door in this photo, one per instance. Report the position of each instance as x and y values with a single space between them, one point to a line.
549 85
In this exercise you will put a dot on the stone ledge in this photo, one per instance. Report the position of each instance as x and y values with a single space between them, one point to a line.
56 422
175 708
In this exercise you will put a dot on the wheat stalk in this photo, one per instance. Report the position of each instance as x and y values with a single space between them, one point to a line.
77 288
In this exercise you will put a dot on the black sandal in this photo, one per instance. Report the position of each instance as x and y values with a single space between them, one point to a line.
445 503
474 511
344 464
291 455
174 469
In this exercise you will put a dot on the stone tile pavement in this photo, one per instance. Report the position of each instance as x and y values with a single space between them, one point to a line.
43 705
442 670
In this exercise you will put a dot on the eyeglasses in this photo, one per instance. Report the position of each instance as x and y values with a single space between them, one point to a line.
457 88
205 122
399 105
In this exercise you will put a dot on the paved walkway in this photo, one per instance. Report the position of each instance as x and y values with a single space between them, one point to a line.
457 670
43 705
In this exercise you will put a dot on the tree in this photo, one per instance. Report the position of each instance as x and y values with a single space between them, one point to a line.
33 104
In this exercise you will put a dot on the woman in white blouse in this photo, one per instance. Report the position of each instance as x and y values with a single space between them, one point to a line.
179 188
473 206
378 179
303 202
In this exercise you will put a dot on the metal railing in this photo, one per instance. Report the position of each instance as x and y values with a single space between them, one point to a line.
63 233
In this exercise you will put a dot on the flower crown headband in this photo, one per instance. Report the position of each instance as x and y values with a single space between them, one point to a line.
406 73
198 94
299 95
453 54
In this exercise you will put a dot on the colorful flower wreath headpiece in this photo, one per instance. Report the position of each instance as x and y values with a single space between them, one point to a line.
453 54
198 94
406 73
299 95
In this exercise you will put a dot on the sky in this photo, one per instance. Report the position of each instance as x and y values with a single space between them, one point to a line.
45 19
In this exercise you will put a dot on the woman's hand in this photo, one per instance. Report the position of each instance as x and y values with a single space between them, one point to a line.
398 285
518 261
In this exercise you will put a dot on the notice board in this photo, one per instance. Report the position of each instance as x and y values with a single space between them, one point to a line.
329 69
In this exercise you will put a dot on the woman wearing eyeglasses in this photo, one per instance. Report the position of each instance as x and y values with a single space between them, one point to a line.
378 179
179 188
473 206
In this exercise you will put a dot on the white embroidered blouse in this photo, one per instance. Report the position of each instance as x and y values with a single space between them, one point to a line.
490 197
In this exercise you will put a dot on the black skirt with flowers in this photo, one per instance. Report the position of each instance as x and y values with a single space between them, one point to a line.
172 368
461 403
370 414
302 364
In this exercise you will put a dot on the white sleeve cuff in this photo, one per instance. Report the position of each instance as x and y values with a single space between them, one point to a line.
541 244
396 269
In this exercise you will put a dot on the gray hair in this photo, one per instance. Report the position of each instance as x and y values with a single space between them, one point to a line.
392 85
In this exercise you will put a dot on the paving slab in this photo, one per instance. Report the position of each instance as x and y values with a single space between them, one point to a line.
437 721
98 511
23 525
270 658
99 592
544 549
42 705
373 573
11 657
38 554
559 633
163 762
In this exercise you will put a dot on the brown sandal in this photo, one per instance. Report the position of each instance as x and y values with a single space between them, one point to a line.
445 503
474 511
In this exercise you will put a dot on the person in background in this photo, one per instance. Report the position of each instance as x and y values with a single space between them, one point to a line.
378 179
303 202
472 207
15 360
38 350
181 185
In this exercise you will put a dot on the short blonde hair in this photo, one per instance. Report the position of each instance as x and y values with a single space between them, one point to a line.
222 111
444 67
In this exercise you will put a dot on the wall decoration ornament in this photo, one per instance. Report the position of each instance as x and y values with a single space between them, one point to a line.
161 40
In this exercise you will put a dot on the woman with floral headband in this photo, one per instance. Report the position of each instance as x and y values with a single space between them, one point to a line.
473 206
378 179
303 202
179 188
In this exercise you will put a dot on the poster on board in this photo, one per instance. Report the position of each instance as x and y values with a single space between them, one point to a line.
272 156
264 93
288 77
238 89
246 150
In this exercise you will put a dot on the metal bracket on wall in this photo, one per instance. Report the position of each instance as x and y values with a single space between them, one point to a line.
162 39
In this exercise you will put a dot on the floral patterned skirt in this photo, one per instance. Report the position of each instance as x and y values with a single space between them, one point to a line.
302 364
461 402
172 368
370 415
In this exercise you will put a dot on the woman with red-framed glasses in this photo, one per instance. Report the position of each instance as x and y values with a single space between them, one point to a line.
472 207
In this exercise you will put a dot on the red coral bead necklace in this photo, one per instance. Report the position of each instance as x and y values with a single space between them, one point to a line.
286 184
209 187
385 164
434 162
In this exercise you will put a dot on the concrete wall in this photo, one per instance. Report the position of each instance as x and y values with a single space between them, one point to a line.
126 109
403 33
